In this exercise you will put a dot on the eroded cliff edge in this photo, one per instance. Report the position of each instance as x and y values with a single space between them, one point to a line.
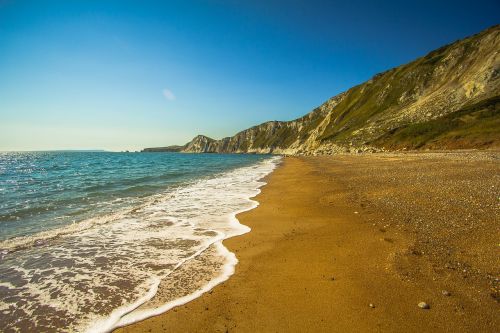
447 99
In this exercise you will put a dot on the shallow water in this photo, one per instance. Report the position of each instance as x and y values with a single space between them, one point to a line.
92 241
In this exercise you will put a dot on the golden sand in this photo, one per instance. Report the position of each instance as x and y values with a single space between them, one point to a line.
325 254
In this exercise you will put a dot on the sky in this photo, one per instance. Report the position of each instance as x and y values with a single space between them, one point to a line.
124 75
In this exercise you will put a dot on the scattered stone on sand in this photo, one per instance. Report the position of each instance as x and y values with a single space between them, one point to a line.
423 305
445 293
332 278
356 212
372 305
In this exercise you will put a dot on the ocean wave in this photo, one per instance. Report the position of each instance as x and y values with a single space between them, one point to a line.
126 260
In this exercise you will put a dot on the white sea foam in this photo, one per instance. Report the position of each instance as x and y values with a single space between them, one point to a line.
133 317
114 270
252 178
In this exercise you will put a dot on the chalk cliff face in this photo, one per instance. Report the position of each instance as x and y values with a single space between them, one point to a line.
446 99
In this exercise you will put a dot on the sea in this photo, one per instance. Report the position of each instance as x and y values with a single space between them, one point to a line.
91 241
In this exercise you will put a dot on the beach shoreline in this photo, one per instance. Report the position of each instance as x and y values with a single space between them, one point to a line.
336 245
218 261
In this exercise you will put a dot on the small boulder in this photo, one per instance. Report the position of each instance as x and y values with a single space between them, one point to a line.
423 305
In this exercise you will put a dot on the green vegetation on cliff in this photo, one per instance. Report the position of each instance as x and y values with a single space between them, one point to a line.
474 126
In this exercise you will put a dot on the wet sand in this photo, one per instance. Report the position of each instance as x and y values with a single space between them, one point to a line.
334 235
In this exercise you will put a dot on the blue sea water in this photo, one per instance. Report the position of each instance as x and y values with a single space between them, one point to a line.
94 240
46 190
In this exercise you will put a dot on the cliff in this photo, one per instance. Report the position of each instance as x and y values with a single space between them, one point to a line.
446 99
170 149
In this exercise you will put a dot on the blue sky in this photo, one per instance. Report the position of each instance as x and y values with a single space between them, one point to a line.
123 75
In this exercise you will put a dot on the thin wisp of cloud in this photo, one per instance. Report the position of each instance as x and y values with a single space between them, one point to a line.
168 94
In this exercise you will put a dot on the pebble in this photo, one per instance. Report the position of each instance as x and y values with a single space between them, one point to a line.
39 242
372 305
445 293
423 305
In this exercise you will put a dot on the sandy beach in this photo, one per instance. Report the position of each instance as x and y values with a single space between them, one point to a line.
355 243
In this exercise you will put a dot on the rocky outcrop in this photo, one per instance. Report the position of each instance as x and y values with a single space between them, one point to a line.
169 149
457 77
